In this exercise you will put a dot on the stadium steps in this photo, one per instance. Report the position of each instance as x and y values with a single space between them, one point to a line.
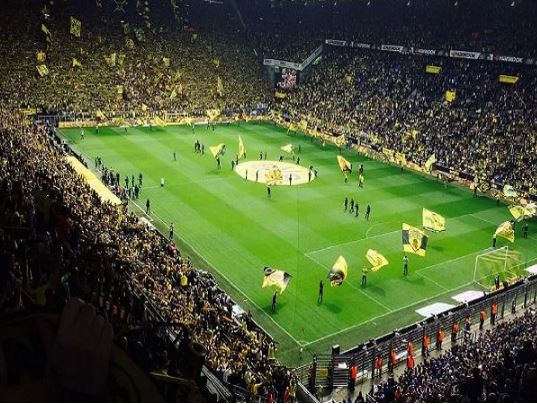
340 373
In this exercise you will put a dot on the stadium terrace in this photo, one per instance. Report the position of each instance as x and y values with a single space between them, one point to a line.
268 201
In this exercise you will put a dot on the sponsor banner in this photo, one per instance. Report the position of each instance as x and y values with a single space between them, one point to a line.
281 63
335 42
457 54
464 54
512 59
392 48
361 45
418 51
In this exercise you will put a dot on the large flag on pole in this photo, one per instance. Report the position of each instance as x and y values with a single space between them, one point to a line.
288 148
376 259
509 191
505 230
344 165
275 277
521 212
213 114
242 149
414 240
430 161
338 273
76 27
433 221
219 150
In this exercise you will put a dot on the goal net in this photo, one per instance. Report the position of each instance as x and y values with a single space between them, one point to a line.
501 261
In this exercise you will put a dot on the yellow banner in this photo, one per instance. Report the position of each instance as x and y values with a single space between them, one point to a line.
433 69
508 79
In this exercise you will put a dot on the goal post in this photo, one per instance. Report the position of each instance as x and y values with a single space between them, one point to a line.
491 263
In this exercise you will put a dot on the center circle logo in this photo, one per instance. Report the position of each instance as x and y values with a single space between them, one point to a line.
274 172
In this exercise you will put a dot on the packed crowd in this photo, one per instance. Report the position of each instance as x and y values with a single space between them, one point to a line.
158 68
57 240
291 30
500 366
389 101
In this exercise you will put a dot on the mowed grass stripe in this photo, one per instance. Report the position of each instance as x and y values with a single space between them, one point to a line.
232 224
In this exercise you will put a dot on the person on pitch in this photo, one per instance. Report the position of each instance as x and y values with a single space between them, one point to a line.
321 291
405 265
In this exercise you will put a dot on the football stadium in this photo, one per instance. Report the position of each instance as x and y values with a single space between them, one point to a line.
268 201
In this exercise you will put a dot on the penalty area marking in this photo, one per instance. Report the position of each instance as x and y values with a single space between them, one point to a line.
249 169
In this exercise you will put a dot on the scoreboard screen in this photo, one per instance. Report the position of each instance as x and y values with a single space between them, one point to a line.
287 79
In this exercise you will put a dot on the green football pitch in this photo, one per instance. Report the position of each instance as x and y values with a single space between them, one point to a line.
230 227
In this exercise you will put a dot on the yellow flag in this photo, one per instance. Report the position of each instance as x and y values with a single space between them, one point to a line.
76 63
340 141
339 271
99 114
450 96
508 79
505 230
40 57
111 60
431 69
216 62
275 277
42 70
288 148
219 87
414 240
219 150
213 114
523 212
344 165
143 107
517 212
76 27
166 62
242 150
376 259
47 33
509 191
430 161
433 221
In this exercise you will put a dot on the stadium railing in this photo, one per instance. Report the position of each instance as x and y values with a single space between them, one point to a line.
510 299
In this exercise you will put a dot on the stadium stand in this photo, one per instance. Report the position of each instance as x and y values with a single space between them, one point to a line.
58 240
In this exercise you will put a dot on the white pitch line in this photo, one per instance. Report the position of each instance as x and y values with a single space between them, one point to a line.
385 234
431 280
350 242
451 260
225 277
376 224
484 220
385 314
352 286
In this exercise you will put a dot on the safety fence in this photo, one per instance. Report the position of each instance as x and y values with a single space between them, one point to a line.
334 370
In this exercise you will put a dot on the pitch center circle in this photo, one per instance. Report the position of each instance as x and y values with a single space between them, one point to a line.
274 172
